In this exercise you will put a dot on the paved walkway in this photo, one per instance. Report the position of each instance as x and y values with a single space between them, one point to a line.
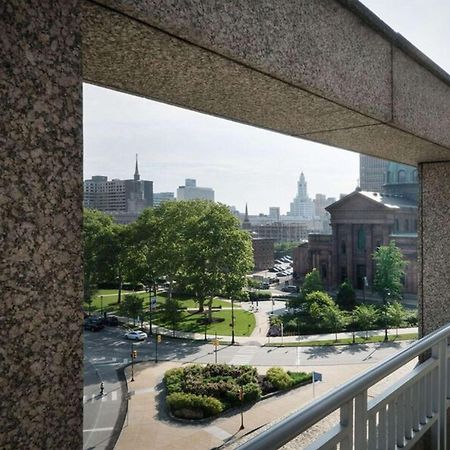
148 425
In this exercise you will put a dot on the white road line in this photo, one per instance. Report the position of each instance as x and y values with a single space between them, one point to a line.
298 356
93 397
217 432
114 396
98 429
243 356
105 397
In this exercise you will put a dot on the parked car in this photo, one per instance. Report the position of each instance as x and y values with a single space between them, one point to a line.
136 335
112 321
93 323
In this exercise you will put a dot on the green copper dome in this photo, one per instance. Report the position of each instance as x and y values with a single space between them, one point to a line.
397 173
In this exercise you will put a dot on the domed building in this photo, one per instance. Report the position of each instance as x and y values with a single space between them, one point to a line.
401 181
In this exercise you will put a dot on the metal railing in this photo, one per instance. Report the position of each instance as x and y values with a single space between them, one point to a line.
397 418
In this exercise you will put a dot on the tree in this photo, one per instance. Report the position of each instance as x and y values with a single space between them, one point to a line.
395 315
170 312
316 301
132 306
96 228
218 254
365 317
333 318
312 283
346 297
389 271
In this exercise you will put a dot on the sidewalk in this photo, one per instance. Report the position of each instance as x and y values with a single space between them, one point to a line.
148 425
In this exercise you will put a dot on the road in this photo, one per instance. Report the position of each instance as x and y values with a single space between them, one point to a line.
107 350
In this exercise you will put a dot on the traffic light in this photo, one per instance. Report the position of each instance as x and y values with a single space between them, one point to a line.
158 338
134 354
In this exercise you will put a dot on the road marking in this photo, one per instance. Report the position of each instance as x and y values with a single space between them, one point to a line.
243 356
217 432
84 399
114 396
298 356
98 429
104 397
93 397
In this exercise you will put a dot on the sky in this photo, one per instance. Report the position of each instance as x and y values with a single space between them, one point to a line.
242 164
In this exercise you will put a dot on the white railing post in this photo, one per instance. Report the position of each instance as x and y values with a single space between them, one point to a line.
439 434
346 421
361 421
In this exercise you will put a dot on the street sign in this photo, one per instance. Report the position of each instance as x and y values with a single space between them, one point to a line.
317 376
216 342
153 303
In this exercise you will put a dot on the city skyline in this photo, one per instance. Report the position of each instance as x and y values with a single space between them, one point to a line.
242 164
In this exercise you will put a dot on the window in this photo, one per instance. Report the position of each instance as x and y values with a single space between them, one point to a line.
396 225
401 176
361 244
343 248
323 271
407 225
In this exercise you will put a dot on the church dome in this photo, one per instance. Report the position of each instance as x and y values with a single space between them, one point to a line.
397 173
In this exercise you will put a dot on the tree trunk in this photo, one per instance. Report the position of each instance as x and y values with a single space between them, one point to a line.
201 304
210 302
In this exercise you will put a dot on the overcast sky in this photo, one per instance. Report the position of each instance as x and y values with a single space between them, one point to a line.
241 163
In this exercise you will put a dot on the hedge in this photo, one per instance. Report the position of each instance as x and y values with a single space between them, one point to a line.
191 406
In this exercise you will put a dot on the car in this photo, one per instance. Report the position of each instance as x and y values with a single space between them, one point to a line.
112 321
93 323
136 335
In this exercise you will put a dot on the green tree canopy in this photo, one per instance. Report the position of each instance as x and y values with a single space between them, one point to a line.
333 318
312 283
365 317
396 314
97 228
346 297
390 270
132 306
316 301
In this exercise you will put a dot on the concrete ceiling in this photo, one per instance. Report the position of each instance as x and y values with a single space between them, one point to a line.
322 71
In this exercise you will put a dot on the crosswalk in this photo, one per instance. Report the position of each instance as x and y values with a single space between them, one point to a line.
243 356
109 361
110 396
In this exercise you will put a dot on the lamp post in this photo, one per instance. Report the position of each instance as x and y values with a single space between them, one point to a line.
150 331
132 361
386 303
232 320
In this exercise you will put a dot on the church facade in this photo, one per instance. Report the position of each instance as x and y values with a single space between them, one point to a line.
360 223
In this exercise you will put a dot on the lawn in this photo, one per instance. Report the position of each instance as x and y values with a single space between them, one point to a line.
244 323
110 301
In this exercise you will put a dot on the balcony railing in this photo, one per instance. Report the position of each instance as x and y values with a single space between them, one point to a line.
397 418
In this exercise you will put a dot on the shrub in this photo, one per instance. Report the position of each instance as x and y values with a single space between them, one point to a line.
299 377
279 378
190 406
252 392
173 379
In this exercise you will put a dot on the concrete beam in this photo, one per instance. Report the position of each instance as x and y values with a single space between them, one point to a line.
328 71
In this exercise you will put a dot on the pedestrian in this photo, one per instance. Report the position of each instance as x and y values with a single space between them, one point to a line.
102 388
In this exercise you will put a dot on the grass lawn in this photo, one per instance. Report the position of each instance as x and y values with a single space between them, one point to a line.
110 304
244 323
346 341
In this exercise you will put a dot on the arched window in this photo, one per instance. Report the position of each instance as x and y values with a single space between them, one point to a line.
401 176
389 177
343 248
361 239
407 225
323 270
414 176
396 225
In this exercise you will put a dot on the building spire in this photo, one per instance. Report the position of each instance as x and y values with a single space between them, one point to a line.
246 225
136 171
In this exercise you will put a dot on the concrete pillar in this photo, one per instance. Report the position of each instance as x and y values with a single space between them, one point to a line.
434 246
41 373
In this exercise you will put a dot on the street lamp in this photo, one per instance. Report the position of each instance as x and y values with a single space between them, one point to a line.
147 288
133 355
386 303
232 320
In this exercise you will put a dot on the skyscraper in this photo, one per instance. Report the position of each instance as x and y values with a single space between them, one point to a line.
302 205
190 191
372 173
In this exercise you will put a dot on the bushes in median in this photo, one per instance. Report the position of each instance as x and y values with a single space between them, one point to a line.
196 392
191 406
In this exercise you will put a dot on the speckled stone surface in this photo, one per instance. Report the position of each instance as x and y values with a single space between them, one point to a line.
383 141
421 101
131 56
317 45
40 225
305 68
434 247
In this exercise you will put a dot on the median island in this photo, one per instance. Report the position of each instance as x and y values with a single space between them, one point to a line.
196 392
